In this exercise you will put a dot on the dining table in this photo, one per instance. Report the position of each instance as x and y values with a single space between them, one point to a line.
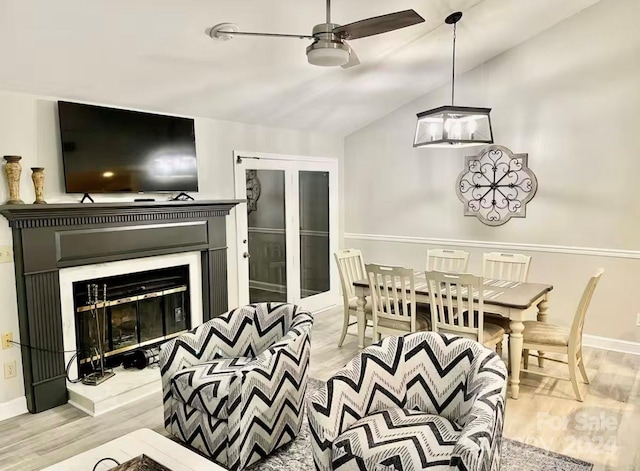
514 300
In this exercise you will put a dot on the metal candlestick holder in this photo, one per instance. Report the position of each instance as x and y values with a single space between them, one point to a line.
99 375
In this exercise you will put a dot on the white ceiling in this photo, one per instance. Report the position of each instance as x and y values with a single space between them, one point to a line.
154 55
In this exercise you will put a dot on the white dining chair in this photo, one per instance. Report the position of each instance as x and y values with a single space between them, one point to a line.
559 339
351 268
506 266
446 260
393 297
463 315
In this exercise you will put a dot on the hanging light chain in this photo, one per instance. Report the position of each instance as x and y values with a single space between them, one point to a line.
453 67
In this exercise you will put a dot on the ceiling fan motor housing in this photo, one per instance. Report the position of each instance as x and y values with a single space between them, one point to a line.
328 49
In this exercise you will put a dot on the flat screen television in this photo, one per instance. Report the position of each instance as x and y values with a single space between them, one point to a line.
108 150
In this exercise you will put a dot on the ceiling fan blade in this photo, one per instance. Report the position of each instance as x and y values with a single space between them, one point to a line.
379 25
353 59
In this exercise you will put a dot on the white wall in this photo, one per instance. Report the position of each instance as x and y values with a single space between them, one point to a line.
28 127
570 98
17 137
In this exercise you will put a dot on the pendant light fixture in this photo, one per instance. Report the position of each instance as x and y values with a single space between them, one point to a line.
459 126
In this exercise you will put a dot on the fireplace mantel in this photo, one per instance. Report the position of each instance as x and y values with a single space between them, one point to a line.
49 237
47 215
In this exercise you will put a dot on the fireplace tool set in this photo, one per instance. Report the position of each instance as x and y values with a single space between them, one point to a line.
96 333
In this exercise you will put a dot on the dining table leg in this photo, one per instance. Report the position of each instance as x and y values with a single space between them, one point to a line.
361 302
543 309
515 349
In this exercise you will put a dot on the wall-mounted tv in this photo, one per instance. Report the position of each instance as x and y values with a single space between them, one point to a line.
107 150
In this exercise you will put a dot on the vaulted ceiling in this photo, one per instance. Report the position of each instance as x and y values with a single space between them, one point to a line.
154 55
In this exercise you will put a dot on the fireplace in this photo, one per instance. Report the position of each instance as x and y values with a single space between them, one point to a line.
55 245
135 310
149 300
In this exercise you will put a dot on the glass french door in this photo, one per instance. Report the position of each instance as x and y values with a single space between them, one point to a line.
287 231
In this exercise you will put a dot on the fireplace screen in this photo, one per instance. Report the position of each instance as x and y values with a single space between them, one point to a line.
123 325
139 310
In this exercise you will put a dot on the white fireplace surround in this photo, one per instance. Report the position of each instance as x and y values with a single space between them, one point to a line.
68 276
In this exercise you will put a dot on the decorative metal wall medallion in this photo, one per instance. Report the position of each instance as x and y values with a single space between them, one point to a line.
254 188
496 185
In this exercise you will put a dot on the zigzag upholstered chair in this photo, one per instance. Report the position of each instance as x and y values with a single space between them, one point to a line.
422 401
234 387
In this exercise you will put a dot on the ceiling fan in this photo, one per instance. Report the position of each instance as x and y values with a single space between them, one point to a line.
329 47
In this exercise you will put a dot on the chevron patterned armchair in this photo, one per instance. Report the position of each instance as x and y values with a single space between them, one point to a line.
234 387
422 401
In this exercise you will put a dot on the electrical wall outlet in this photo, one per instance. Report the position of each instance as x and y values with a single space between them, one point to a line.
7 339
10 369
638 319
6 254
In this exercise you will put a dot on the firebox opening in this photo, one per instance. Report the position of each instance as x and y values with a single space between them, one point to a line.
142 310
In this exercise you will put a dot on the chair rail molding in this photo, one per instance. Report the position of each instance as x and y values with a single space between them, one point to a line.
497 245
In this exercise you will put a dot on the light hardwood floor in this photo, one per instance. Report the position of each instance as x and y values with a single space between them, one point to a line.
604 429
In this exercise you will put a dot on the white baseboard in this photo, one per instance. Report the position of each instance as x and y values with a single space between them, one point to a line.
614 345
17 406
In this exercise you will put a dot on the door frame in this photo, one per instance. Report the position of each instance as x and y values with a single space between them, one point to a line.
290 164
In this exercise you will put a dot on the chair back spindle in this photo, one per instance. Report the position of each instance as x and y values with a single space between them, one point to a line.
506 266
351 268
575 338
393 298
457 303
446 260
